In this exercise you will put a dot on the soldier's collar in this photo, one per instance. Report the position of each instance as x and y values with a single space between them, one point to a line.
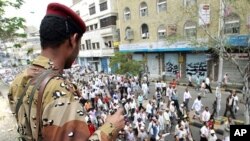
43 62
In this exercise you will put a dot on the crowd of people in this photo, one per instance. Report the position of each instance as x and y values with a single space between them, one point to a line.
149 116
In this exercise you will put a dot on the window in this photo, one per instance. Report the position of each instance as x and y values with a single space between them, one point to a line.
92 9
91 27
95 26
108 44
143 9
129 34
189 2
82 47
127 15
88 44
232 24
108 21
190 30
161 32
103 6
97 45
162 5
93 45
144 31
87 28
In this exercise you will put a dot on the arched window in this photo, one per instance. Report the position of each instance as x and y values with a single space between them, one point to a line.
143 9
127 14
190 30
189 2
232 24
129 34
161 32
144 31
162 5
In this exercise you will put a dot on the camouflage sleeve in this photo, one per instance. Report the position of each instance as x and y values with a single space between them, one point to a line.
63 116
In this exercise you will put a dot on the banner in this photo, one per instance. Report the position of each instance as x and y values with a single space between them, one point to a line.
204 14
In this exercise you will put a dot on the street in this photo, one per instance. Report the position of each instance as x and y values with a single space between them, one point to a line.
8 127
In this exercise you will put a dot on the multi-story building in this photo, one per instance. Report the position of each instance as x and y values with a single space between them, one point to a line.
173 36
97 43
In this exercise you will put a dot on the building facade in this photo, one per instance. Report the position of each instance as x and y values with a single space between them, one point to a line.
173 37
97 43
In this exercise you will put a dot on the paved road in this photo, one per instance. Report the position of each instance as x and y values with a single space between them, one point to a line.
207 101
8 126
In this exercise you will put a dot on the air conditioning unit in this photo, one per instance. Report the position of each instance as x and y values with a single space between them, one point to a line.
145 35
129 34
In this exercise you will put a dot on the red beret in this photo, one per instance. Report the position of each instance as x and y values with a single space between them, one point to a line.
64 11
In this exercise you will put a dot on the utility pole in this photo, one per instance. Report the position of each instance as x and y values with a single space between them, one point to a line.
220 39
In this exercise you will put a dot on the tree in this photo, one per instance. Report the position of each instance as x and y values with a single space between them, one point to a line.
125 64
10 25
213 32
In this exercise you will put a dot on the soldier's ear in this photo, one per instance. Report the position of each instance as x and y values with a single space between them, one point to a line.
74 40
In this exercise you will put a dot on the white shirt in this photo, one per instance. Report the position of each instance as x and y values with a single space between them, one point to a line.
163 84
207 81
212 138
169 92
149 108
197 105
204 131
236 100
166 116
187 95
205 116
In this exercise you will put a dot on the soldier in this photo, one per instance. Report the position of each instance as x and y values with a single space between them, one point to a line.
45 104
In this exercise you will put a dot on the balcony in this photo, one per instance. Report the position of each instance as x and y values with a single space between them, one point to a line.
108 31
97 53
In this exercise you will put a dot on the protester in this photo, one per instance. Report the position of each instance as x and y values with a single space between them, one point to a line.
186 97
197 105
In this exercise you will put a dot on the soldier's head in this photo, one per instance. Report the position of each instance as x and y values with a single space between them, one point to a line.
61 30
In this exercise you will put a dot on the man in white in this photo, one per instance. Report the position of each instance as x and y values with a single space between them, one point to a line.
149 109
204 131
205 116
235 102
197 105
145 90
225 80
161 121
169 94
208 84
212 136
186 98
166 115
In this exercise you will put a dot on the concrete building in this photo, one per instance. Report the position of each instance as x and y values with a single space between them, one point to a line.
173 37
97 43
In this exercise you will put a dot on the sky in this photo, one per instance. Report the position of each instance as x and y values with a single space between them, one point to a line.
34 10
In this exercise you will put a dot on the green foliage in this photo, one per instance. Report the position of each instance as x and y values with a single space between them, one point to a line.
29 51
17 45
126 64
10 25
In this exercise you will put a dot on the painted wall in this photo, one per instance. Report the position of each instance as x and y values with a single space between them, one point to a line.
171 64
196 64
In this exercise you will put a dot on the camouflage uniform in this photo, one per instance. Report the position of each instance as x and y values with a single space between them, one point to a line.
62 114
